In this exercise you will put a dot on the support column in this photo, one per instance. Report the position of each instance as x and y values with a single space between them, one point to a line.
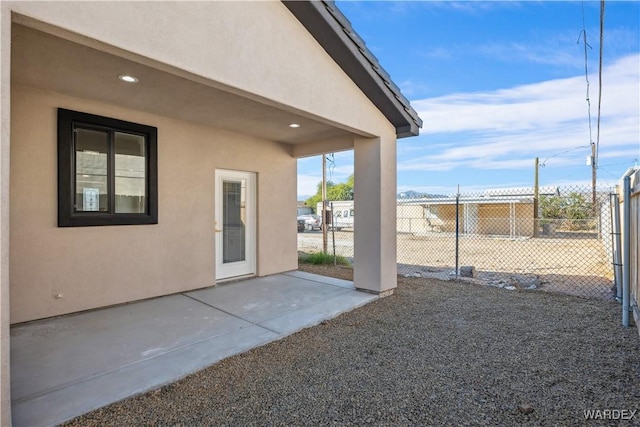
375 265
5 107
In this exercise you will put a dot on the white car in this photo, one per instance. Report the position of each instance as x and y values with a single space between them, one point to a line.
312 222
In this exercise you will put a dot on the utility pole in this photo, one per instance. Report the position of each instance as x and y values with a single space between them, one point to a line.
594 147
324 203
536 196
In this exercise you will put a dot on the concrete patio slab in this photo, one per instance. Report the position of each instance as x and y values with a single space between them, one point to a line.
296 320
321 279
67 366
105 338
253 300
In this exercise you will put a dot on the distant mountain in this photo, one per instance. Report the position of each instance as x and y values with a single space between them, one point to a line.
410 194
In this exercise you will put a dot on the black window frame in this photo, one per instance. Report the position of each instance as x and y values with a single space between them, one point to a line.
68 120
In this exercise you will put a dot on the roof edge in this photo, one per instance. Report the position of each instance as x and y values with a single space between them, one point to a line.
333 31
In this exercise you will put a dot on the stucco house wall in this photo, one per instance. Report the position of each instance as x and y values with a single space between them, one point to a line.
411 219
424 218
125 263
97 266
499 220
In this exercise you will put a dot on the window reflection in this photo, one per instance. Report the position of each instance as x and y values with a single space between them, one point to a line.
233 218
91 147
130 173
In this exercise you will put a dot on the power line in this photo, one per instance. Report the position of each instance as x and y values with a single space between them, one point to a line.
594 146
583 35
618 164
542 163
332 165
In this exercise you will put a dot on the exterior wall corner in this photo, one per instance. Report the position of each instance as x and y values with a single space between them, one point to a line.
5 112
375 254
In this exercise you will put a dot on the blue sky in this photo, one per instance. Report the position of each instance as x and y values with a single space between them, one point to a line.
498 84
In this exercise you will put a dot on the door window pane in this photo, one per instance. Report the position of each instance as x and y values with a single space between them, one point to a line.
130 173
91 147
234 220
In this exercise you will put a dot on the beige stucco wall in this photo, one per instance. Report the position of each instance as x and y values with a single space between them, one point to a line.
5 72
97 266
524 219
495 219
292 72
447 213
375 245
492 219
411 219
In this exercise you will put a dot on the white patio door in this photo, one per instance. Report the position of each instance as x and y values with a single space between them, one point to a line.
235 223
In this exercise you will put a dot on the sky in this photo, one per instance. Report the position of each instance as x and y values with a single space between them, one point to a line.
498 84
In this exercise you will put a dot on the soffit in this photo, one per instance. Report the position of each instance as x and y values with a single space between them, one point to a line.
49 62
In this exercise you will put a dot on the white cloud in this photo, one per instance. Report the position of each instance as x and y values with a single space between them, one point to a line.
310 171
471 7
411 87
506 128
632 153
499 133
308 184
555 49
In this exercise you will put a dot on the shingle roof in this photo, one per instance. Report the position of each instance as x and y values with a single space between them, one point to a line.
333 31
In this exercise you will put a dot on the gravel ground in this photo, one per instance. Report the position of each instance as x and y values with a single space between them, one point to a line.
434 353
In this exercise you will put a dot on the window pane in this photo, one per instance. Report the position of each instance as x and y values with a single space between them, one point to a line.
131 174
233 221
91 170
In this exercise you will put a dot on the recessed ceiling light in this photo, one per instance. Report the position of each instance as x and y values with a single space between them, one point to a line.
127 78
294 125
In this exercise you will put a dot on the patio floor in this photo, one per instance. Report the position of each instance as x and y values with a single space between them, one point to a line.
66 366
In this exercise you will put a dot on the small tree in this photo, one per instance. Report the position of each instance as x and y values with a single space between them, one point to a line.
551 207
574 208
341 191
578 210
313 201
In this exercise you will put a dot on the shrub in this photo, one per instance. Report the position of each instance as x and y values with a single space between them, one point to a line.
323 258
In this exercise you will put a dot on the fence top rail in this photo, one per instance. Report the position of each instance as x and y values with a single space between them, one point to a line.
465 199
508 195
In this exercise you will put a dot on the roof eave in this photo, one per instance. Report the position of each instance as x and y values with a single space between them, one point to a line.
333 32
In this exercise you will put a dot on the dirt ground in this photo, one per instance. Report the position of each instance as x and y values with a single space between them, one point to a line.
574 264
339 272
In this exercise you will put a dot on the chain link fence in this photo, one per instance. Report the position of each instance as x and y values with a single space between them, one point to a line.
496 238
340 219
